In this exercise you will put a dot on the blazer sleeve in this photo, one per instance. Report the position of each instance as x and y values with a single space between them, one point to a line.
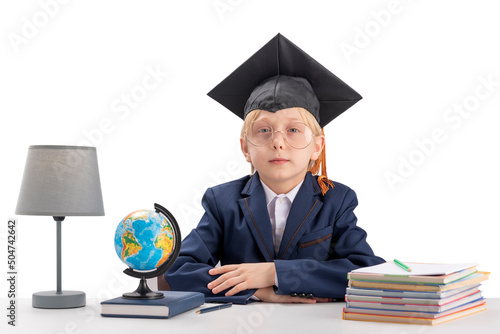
200 252
324 272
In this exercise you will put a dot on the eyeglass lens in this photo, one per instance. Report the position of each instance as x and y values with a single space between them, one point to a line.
297 135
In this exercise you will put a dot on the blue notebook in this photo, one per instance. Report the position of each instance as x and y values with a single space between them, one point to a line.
173 303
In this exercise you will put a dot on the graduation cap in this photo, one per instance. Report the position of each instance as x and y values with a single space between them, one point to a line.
280 75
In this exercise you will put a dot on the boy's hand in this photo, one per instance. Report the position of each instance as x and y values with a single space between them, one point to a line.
242 277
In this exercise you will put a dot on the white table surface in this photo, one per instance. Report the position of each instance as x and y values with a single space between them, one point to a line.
244 319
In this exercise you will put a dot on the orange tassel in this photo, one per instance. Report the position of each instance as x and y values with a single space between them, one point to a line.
324 184
323 181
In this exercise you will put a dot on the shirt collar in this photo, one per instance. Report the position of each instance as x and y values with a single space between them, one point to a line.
270 195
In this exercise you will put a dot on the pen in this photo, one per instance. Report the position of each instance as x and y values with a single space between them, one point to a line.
402 265
210 309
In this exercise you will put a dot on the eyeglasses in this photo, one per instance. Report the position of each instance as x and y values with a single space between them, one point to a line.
297 135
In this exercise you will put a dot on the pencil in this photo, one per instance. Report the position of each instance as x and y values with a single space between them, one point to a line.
215 308
402 265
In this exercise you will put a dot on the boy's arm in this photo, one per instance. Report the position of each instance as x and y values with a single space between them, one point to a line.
324 272
199 253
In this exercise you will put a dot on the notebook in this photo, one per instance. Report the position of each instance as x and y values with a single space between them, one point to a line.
172 303
473 279
414 320
420 272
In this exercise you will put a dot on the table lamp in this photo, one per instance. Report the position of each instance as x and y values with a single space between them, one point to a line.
60 181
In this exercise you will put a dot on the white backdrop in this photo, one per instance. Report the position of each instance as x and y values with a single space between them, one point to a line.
421 149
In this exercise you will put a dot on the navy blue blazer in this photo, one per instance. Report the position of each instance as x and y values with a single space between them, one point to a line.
320 245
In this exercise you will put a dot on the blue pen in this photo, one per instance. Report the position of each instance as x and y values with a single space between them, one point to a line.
215 308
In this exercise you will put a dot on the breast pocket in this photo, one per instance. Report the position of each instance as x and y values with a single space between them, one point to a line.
315 245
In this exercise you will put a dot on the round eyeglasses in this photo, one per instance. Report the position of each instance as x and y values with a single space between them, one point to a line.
297 135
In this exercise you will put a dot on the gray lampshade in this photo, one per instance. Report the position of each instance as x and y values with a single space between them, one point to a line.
61 181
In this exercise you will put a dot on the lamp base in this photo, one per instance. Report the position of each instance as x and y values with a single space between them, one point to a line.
63 299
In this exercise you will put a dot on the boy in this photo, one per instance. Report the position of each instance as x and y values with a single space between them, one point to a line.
280 234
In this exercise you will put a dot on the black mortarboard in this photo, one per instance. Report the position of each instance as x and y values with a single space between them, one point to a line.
279 76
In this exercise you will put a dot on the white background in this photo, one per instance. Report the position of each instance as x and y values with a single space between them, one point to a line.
66 67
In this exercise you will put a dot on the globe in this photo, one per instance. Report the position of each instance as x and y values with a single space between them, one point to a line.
144 240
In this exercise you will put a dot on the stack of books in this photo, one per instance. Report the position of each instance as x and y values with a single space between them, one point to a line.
428 295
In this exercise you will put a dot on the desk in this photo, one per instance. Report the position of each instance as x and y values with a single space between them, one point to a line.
245 319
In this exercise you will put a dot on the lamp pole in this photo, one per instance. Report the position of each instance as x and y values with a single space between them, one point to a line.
58 220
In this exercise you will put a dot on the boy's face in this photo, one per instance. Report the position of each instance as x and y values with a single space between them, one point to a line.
281 167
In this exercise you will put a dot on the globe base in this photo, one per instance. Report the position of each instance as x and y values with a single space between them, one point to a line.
58 300
143 292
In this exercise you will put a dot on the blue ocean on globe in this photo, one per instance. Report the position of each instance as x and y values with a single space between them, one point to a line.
144 240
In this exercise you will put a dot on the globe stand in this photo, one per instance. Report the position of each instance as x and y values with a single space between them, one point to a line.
143 291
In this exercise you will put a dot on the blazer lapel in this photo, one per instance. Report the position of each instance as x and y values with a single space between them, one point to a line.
305 207
254 207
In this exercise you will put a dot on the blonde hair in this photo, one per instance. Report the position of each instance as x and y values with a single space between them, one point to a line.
315 166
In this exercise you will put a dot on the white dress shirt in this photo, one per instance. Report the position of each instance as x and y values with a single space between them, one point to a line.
278 207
